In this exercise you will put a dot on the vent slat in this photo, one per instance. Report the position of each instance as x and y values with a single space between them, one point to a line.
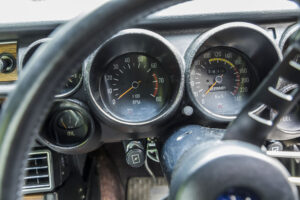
35 186
37 158
33 168
36 177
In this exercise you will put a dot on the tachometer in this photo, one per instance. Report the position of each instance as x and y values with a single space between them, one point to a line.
221 81
135 81
135 87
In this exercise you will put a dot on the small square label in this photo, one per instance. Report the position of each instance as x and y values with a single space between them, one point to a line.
135 158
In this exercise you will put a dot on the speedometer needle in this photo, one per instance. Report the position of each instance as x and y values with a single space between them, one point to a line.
211 87
132 87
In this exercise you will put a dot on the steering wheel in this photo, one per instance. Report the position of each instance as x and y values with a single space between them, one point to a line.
26 108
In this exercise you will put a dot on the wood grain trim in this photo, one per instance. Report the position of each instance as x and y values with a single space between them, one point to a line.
34 197
9 47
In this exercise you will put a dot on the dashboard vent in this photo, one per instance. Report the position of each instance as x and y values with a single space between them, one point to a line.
38 173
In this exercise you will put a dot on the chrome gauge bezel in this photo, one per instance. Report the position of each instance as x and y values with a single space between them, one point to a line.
30 51
91 142
288 33
247 38
75 89
134 41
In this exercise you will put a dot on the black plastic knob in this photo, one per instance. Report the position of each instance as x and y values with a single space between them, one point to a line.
135 154
7 63
135 158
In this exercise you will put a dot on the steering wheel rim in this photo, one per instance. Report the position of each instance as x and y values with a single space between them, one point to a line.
26 108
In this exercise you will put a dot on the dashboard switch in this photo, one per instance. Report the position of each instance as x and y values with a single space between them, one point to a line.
135 153
275 146
7 63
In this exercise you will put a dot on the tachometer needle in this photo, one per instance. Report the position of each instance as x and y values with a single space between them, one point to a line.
132 87
211 87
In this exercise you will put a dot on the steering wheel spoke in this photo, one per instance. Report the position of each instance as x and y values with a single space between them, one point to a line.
250 126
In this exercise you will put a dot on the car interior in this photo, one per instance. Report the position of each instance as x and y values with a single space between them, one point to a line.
150 100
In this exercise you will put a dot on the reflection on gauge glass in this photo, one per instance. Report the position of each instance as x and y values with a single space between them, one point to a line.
221 81
290 123
135 87
71 85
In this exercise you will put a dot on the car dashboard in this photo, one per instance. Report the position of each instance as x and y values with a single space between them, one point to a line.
196 63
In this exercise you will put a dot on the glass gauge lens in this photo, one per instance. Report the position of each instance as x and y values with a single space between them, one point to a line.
135 87
221 81
73 81
71 84
70 127
291 122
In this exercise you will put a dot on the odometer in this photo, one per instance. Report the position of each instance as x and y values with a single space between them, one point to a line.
134 87
221 81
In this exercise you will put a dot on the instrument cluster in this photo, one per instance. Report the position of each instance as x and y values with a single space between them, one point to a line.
137 76
137 82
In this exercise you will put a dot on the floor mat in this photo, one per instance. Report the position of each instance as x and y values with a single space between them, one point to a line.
145 188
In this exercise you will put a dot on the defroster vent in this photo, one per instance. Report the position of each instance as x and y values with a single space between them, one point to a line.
38 173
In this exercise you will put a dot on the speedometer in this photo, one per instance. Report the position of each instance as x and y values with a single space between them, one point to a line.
135 87
221 81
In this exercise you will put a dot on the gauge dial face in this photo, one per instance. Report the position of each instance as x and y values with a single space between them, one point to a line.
221 82
135 88
70 127
290 122
71 84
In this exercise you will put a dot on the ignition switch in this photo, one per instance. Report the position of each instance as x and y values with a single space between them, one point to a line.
135 153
